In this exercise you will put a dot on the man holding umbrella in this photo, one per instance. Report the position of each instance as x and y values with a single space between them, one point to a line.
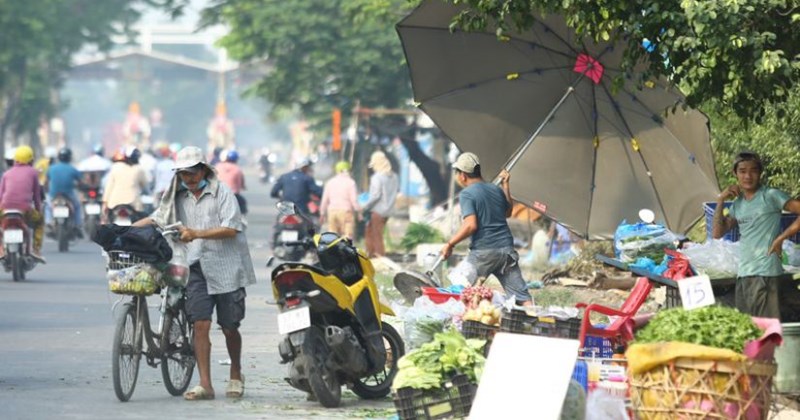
484 209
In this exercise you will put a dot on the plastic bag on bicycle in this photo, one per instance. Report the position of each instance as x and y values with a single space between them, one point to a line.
141 279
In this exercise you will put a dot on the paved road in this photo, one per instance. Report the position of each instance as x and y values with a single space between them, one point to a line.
56 330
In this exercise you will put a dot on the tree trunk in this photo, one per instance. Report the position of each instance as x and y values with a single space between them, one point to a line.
431 170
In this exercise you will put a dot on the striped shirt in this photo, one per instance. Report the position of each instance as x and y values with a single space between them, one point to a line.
226 263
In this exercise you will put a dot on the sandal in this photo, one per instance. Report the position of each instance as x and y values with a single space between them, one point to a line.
235 388
198 393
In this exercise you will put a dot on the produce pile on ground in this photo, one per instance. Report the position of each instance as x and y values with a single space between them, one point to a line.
713 326
433 363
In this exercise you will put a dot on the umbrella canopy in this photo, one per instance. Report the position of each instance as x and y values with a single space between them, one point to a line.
581 149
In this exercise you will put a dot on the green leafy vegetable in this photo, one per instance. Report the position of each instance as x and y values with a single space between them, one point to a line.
420 233
713 326
432 363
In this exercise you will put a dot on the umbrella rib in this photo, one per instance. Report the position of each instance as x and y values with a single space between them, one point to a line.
596 145
486 81
636 149
428 28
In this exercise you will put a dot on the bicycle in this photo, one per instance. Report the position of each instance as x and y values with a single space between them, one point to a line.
170 345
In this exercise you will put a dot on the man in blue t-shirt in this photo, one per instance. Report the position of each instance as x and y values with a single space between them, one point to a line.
484 209
756 210
62 178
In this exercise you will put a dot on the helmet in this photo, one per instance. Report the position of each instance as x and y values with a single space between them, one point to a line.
232 156
132 155
305 162
23 154
119 156
342 166
65 155
98 149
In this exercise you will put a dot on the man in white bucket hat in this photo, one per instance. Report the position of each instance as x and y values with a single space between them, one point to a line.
219 262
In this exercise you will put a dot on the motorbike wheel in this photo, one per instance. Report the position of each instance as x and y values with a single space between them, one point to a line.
177 354
63 238
379 385
323 382
17 270
91 228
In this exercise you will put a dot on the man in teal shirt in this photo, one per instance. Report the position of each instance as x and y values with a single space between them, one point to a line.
756 210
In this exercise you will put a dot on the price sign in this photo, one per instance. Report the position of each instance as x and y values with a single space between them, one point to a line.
696 292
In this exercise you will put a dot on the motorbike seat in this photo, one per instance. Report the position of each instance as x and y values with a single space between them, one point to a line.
13 212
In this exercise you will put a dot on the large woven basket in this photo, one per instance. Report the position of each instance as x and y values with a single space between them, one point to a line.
688 388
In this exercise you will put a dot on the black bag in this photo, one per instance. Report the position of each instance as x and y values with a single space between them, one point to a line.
146 242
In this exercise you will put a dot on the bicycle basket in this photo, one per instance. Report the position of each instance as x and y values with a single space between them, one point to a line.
129 275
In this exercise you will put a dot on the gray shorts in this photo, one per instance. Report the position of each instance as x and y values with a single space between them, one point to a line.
503 263
200 305
758 296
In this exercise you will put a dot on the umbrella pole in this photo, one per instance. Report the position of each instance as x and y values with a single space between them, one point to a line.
518 154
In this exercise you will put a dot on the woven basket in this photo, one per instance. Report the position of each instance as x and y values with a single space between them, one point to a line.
690 388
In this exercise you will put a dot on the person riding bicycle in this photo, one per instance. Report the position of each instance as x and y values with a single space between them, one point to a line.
20 190
62 178
297 186
231 174
125 183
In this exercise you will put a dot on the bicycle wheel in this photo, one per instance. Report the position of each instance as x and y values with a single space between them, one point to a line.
177 352
126 352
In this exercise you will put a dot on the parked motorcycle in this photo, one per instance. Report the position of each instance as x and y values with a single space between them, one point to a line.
92 208
17 240
291 228
63 226
330 317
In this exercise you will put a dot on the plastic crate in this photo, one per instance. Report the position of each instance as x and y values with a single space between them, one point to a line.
581 374
519 322
479 330
438 297
453 400
733 235
597 347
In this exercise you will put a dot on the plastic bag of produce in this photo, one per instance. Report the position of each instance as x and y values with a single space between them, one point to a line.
716 258
792 253
425 318
642 240
601 405
141 279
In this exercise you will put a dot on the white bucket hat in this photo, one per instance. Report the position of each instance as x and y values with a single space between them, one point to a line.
189 157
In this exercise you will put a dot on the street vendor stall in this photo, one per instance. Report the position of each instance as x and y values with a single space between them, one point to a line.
723 287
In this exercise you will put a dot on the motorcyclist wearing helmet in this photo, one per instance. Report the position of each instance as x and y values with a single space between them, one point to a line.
95 167
229 172
20 190
297 186
62 178
43 164
126 182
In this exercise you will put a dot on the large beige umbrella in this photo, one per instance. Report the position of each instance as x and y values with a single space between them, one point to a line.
582 149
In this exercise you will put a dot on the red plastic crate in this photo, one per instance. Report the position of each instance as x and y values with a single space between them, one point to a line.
438 297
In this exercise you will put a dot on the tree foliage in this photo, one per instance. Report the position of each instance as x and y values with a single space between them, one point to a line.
776 138
742 54
322 54
38 41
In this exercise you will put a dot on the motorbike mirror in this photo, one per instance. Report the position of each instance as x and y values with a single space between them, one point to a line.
286 208
647 215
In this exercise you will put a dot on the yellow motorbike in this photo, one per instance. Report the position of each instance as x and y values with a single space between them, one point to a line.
331 319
